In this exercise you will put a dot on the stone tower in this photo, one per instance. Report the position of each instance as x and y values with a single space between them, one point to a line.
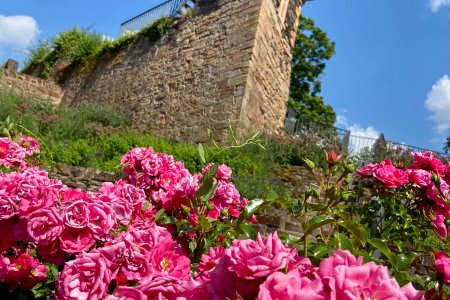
229 63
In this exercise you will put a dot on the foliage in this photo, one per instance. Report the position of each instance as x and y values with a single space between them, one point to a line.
38 53
76 44
86 48
312 49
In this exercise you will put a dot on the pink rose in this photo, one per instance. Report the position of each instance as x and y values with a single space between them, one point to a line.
36 198
168 259
390 176
126 293
209 262
293 285
4 262
223 172
421 178
255 259
439 226
367 170
8 206
425 160
347 278
157 287
30 144
76 240
101 218
45 225
24 271
85 278
75 215
442 265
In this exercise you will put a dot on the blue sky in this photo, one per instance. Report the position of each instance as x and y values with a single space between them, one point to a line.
390 73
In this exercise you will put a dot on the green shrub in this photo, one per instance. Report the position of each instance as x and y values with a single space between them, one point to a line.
76 44
86 48
38 53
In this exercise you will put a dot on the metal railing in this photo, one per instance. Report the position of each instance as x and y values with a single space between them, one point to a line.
352 144
171 8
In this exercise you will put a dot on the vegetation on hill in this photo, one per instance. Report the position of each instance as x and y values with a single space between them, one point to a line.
84 47
97 137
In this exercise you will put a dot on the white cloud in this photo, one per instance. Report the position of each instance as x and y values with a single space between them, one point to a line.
438 104
435 5
18 31
341 121
360 137
368 132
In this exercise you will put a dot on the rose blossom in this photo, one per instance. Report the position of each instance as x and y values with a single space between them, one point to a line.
442 265
85 278
390 176
293 286
126 293
367 170
4 262
166 258
347 278
45 225
419 177
101 218
76 240
75 215
223 172
425 160
254 259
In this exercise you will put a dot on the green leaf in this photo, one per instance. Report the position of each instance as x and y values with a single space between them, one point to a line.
357 230
384 249
400 245
343 242
205 187
317 207
211 139
204 223
347 195
233 137
53 270
251 207
405 259
210 193
402 277
289 239
201 152
146 205
319 251
272 196
159 215
316 222
248 230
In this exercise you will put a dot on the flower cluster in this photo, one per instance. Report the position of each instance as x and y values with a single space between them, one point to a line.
340 276
21 270
13 154
427 177
108 246
172 187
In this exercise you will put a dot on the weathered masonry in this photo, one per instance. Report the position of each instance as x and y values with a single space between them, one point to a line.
228 63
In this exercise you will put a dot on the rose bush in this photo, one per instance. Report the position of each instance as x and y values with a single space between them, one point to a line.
164 233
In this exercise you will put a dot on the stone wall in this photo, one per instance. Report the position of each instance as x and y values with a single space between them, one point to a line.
28 86
227 64
267 91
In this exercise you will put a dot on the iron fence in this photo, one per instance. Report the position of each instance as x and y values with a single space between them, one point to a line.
171 8
347 142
